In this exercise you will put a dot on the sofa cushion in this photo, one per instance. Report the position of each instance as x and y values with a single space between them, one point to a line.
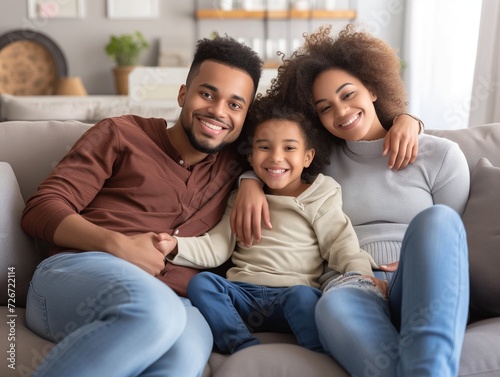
88 109
279 360
480 349
47 107
30 349
482 222
167 110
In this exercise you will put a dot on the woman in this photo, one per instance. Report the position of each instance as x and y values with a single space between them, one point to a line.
351 86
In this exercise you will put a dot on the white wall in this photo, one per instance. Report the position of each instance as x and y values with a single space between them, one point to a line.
83 40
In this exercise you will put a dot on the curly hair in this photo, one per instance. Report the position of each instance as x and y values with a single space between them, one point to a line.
360 54
228 51
266 108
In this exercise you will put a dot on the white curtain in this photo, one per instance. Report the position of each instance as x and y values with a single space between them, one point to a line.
485 97
439 55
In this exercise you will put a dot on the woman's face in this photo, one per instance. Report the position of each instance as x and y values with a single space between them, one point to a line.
345 106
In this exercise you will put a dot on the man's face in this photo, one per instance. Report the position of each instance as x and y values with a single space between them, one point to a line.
215 105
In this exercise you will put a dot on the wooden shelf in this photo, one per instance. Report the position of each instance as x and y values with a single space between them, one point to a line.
274 14
230 14
277 14
299 14
333 14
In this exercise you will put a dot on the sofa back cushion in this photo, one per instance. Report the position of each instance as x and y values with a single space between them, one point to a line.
481 146
482 223
33 148
475 142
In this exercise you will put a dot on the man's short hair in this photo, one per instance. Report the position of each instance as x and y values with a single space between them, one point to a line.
226 50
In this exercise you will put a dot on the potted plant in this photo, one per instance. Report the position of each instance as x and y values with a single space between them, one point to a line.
125 50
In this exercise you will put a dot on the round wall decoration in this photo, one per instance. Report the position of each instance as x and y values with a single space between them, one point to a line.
30 63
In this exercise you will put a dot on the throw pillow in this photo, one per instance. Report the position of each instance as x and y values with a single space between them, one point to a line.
482 223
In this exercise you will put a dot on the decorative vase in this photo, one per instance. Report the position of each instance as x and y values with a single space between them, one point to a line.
121 78
70 86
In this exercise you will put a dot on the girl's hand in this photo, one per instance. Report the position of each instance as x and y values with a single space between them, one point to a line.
402 142
166 244
250 209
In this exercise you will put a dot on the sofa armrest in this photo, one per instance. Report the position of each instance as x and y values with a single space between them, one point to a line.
18 253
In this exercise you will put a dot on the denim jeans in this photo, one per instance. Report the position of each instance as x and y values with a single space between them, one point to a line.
110 318
235 309
419 330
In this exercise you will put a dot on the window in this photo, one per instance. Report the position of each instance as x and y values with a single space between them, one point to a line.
440 54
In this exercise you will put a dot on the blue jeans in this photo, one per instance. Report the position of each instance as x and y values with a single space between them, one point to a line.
111 318
234 310
419 330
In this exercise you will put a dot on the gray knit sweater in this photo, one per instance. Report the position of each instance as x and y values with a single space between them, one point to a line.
381 202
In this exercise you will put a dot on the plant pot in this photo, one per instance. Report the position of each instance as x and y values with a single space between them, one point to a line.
121 78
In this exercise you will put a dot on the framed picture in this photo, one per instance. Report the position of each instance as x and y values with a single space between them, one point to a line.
55 9
120 9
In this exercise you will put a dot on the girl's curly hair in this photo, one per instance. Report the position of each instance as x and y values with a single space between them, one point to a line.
268 108
360 54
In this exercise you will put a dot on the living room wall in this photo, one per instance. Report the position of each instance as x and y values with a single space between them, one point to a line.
82 40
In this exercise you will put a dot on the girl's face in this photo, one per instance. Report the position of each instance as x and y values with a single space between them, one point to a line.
345 106
279 155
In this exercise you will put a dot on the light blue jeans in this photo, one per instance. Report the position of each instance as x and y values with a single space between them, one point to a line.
111 318
419 330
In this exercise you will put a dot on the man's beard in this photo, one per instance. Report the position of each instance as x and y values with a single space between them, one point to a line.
199 145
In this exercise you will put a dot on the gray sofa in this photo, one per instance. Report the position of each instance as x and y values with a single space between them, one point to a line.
29 150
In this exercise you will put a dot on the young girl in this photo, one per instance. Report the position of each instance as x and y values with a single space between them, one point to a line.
273 285
351 86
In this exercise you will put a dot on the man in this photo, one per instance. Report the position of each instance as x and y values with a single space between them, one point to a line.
101 294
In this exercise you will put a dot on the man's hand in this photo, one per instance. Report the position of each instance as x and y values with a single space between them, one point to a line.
402 142
78 233
141 250
250 209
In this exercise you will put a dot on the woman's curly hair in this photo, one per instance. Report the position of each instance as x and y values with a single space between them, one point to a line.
360 54
267 108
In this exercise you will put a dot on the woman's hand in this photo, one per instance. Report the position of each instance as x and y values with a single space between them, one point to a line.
381 285
402 142
391 267
249 211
